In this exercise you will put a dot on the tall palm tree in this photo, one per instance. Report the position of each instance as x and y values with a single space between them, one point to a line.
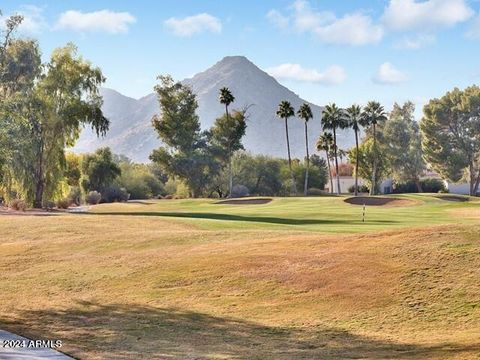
305 113
373 114
354 113
227 98
333 118
325 143
286 110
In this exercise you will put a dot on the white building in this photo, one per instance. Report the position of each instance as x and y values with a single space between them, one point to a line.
457 188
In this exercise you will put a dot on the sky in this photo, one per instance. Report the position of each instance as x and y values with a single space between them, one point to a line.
348 51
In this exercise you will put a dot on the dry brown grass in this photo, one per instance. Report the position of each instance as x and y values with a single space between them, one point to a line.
120 287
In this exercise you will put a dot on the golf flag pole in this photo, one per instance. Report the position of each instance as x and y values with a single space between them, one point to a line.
363 213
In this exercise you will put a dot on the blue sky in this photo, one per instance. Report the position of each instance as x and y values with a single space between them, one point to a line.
326 51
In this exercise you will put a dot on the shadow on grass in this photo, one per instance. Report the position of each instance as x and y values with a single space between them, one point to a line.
243 218
90 330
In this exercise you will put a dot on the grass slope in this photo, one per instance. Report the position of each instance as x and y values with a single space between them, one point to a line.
296 278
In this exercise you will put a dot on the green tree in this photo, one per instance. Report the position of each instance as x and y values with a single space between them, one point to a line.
138 180
259 173
333 118
354 113
451 135
285 111
65 99
373 114
226 134
99 171
185 154
325 143
305 113
402 138
364 155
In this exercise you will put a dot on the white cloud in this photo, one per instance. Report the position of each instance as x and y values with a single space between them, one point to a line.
404 15
416 42
351 29
195 24
355 29
33 20
331 76
98 21
389 74
277 19
474 31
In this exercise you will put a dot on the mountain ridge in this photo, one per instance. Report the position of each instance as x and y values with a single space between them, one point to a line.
131 133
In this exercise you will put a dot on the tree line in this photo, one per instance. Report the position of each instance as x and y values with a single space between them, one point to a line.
45 106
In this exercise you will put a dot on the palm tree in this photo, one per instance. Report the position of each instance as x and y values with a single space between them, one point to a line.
333 118
342 154
325 143
305 113
286 110
354 113
373 114
227 98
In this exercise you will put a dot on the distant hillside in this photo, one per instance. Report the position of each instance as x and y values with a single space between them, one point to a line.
131 132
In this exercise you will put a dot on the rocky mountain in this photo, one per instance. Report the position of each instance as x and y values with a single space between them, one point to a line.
131 133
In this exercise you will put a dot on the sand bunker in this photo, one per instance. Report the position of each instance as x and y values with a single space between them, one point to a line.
453 198
244 201
378 201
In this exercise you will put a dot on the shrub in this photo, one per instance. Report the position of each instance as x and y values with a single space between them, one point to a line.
115 194
240 191
168 197
75 195
64 203
48 205
361 189
430 185
315 191
18 205
93 198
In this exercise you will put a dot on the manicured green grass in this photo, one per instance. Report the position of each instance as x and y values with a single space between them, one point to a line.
325 214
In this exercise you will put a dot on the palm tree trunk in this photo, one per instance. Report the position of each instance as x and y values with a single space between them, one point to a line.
305 187
374 174
294 186
356 163
339 191
329 172
230 175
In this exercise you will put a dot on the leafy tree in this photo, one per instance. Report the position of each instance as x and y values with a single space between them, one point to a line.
43 109
372 115
402 138
99 171
354 113
138 180
186 154
305 113
451 135
364 155
259 173
286 110
325 143
334 118
73 170
226 134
